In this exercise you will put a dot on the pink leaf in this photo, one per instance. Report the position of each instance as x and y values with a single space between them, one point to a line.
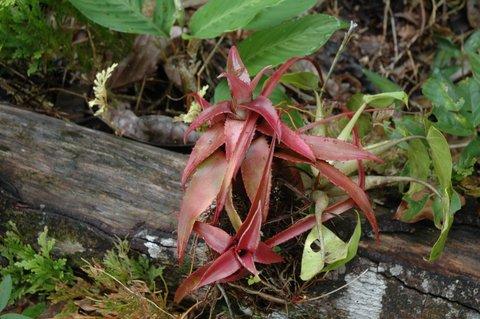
235 161
241 91
200 100
255 160
247 262
190 284
265 255
249 232
204 186
225 265
235 65
208 114
208 143
233 129
294 142
272 82
307 223
353 190
326 148
216 238
264 107
258 77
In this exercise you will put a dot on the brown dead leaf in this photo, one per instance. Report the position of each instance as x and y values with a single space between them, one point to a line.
146 53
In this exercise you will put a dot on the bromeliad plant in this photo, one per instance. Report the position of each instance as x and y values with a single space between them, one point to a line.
243 136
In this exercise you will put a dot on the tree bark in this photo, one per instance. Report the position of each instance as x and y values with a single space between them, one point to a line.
89 187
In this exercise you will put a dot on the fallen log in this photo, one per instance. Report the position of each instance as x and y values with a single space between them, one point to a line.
89 187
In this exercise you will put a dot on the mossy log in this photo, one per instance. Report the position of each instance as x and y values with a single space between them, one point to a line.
90 187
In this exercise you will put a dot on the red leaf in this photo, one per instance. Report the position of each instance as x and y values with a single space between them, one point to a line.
190 284
204 186
247 262
326 148
307 223
216 238
265 255
264 107
235 65
249 233
235 161
353 190
258 77
294 142
255 159
208 114
272 82
225 265
233 129
208 143
201 101
241 91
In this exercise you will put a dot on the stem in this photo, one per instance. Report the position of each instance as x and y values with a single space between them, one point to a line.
374 181
343 45
347 130
321 202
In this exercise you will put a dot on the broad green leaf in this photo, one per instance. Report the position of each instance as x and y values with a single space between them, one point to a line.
441 91
283 10
474 60
414 207
314 261
473 42
301 80
154 17
381 83
385 99
418 164
35 310
352 247
453 123
337 252
379 100
14 316
468 158
469 90
293 38
447 54
452 206
441 157
219 16
5 291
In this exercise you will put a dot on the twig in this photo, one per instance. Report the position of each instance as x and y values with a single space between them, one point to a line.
260 294
227 301
207 60
343 45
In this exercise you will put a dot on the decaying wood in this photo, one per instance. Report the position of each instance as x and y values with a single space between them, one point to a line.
89 187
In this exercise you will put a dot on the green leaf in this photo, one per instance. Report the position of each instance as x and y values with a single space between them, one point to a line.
14 316
473 42
441 91
352 247
441 157
474 60
219 16
381 83
301 80
469 91
418 164
452 206
35 310
276 14
385 99
337 252
5 291
298 37
414 207
154 17
468 158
